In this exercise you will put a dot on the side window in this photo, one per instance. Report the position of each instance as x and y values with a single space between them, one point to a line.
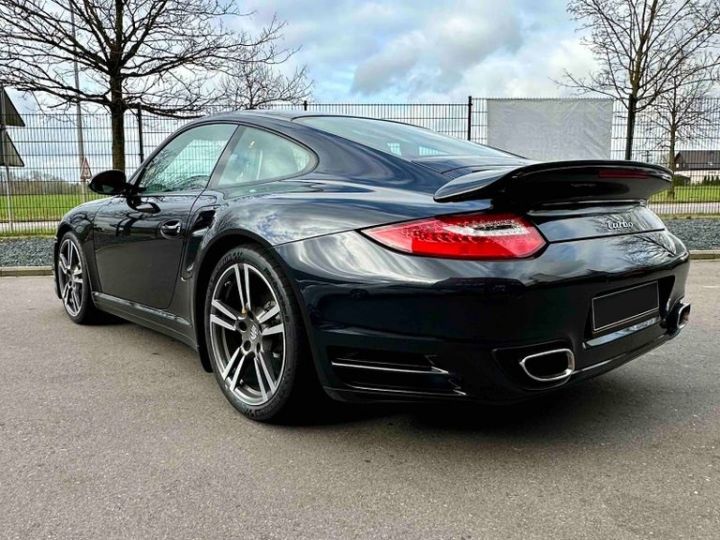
260 155
187 161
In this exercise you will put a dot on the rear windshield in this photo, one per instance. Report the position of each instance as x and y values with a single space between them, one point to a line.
409 142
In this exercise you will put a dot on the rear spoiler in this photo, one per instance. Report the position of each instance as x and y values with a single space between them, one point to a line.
560 181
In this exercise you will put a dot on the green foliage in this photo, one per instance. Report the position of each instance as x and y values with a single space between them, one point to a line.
34 182
680 180
711 180
41 207
692 193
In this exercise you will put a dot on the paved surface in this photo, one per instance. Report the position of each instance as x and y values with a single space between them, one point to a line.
114 431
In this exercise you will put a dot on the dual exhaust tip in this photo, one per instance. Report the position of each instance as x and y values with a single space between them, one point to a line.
556 366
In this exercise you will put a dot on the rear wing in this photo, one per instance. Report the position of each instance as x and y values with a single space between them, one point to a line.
560 181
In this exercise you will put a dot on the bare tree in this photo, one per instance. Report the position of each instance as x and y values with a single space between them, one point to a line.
161 56
682 113
259 86
640 44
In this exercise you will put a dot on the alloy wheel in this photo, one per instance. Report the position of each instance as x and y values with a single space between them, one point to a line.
247 334
70 277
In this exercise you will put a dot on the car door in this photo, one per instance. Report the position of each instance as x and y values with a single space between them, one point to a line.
139 239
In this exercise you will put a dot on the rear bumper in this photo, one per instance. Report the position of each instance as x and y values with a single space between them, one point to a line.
480 378
388 326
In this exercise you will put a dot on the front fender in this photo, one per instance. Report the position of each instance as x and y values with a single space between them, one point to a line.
80 221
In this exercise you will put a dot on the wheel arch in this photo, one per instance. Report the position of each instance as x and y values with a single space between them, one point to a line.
81 225
210 256
62 229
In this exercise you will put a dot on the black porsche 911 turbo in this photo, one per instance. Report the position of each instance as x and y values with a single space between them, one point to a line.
376 260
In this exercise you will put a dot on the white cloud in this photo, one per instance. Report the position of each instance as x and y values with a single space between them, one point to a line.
433 53
405 50
391 65
532 71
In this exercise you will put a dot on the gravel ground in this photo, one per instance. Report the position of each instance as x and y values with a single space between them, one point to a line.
696 233
26 251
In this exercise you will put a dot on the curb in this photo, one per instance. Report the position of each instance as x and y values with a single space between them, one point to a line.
24 271
704 254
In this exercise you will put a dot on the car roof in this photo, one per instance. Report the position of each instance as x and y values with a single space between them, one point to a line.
260 113
288 115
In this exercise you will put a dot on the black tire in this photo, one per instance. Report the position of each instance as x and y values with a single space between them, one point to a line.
78 306
297 385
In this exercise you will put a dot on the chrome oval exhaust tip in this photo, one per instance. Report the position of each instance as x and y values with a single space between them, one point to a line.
680 316
554 366
683 316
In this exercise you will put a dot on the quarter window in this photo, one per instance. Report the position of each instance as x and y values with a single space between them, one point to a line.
259 155
187 161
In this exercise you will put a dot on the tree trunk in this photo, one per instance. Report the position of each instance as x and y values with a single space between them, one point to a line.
117 124
117 119
671 158
630 133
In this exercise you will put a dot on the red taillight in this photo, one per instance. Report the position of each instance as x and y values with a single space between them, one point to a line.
469 236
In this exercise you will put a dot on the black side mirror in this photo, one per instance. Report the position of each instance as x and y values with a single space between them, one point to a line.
112 182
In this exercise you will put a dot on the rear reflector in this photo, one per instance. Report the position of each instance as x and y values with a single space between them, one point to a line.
469 236
622 173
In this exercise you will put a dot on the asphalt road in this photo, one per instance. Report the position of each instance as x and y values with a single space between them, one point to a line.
115 431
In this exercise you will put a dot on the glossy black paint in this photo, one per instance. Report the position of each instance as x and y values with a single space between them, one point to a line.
136 258
468 320
559 181
462 311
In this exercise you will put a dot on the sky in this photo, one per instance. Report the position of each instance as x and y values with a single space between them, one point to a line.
405 50
409 51
422 51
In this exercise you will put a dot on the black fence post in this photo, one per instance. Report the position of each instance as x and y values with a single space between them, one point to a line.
4 159
141 145
305 105
469 118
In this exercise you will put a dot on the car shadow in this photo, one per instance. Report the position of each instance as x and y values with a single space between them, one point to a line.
614 408
440 414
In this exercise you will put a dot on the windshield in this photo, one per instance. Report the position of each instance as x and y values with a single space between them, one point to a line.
409 142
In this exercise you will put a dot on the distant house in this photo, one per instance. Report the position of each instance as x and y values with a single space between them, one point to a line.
697 164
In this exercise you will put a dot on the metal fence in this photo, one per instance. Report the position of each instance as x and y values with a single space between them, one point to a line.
34 197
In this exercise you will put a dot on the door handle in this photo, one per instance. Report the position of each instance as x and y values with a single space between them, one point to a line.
147 207
140 205
171 229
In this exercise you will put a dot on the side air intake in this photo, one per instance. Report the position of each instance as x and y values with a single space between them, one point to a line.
392 372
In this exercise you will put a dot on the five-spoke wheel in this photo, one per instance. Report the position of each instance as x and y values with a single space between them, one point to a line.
247 334
70 276
73 283
254 334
